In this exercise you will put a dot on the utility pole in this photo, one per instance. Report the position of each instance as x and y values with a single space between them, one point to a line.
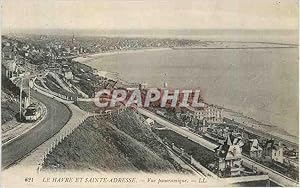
29 92
21 90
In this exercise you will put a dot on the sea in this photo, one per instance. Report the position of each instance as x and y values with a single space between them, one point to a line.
260 83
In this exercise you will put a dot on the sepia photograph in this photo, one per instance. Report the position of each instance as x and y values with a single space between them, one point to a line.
149 93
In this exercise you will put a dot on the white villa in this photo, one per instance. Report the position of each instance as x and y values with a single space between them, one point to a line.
230 155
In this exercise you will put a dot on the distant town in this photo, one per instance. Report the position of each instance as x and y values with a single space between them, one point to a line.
41 70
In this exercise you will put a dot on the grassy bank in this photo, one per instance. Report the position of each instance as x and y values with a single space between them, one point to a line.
121 146
9 95
9 108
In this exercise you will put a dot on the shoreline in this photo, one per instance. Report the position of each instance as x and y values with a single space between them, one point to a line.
267 129
260 126
90 57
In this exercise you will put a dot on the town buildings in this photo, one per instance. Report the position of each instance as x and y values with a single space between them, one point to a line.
8 53
207 114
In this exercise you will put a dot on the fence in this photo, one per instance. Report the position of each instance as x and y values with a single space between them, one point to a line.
66 131
58 138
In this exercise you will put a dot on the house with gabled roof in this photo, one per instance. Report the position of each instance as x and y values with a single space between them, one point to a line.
273 151
230 155
253 149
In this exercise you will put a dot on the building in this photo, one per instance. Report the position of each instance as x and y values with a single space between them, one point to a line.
68 75
55 67
253 149
143 86
207 114
177 111
230 155
161 112
273 151
80 50
9 68
73 39
95 72
149 121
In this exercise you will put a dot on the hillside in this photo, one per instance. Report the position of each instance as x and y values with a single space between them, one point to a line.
9 105
101 146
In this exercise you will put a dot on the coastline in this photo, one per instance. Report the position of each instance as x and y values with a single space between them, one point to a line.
90 57
252 123
266 129
206 45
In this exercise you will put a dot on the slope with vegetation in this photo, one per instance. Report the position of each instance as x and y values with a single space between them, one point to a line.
125 144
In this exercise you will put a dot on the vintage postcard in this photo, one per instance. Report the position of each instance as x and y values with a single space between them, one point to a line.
149 93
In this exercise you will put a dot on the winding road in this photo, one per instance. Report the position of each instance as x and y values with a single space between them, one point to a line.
57 116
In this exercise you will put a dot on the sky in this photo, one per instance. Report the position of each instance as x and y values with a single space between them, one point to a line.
150 14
